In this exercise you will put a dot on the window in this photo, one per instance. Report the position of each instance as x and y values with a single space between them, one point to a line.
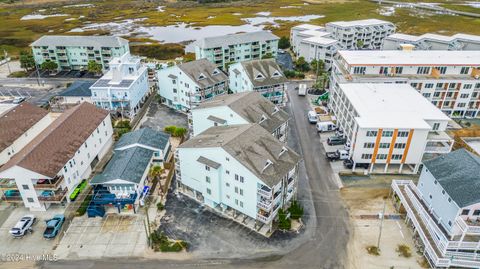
241 192
227 184
461 104
65 168
226 158
236 201
30 200
449 223
359 70
241 204
428 85
384 145
449 199
207 167
236 189
441 69
25 187
464 70
241 179
476 212
397 156
381 156
465 212
387 133
366 156
427 95
464 95
400 145
371 133
423 70
398 69
207 179
435 182
443 191
227 172
368 145
228 196
467 86
402 134
436 125
209 191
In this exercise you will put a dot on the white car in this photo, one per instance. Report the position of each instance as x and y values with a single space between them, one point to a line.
23 225
312 116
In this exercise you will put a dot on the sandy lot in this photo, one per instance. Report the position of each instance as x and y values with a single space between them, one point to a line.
364 204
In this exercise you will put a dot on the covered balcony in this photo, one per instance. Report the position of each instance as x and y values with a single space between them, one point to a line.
52 196
12 196
48 184
438 142
8 184
264 191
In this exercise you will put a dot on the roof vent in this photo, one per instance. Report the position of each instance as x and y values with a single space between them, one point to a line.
267 164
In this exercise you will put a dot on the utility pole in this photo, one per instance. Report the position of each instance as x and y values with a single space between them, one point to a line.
381 223
38 73
6 59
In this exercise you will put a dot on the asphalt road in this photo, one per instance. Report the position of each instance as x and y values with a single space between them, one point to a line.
327 247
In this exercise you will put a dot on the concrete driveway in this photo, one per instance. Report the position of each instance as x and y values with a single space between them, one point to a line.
112 236
30 244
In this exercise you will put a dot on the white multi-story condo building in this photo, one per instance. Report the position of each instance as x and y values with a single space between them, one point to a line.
263 76
124 88
74 52
186 85
313 43
389 125
48 169
239 108
449 79
18 126
433 42
444 209
361 34
239 170
234 48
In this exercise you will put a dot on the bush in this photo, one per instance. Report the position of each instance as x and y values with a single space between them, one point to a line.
284 223
123 124
175 131
373 250
160 242
159 51
18 74
160 207
83 207
404 251
296 210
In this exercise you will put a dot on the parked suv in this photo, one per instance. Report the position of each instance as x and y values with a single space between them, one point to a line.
23 225
336 140
348 163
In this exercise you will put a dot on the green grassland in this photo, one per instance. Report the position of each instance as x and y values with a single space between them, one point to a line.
16 34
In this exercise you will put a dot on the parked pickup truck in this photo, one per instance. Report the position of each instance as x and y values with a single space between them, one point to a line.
348 163
337 155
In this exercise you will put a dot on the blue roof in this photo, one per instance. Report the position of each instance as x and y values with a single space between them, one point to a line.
78 88
144 136
129 165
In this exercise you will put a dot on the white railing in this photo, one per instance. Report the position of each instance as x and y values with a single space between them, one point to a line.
265 205
469 229
264 219
441 262
267 194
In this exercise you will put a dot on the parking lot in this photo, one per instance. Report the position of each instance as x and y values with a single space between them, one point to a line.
37 96
159 116
32 243
112 236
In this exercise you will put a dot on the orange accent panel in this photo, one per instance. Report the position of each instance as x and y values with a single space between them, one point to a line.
392 145
409 140
377 144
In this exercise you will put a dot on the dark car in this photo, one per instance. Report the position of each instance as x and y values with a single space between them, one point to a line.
336 140
348 163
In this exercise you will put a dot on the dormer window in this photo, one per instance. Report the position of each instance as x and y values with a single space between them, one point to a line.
215 72
201 76
276 74
259 76
284 149
275 110
267 164
264 118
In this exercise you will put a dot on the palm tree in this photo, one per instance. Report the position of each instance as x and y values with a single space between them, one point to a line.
155 172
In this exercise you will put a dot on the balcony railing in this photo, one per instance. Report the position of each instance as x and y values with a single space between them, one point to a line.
7 184
265 205
53 196
12 198
265 192
265 218
48 184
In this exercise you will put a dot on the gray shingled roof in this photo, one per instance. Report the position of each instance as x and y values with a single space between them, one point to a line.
242 38
251 145
144 136
251 106
78 88
128 165
82 41
265 67
195 69
458 172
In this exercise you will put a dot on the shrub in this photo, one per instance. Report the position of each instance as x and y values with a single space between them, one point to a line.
404 251
123 124
296 210
160 242
83 207
284 223
160 207
18 74
373 250
175 131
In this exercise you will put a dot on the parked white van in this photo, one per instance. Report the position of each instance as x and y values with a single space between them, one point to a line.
302 89
325 126
312 116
